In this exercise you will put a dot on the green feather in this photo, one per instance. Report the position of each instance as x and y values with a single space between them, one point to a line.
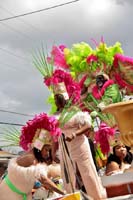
9 137
41 63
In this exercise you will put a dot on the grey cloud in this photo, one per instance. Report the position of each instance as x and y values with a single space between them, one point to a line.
20 82
123 2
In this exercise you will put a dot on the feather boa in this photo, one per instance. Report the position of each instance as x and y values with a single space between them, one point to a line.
99 93
103 135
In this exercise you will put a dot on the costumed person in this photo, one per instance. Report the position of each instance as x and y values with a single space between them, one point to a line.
26 169
92 68
79 153
106 90
103 93
79 122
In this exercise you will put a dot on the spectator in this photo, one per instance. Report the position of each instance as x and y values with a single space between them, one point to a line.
120 160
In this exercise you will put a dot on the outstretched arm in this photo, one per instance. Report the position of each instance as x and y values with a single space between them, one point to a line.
48 184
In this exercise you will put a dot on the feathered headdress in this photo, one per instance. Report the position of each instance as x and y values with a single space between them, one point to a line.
53 75
122 72
82 58
72 87
39 131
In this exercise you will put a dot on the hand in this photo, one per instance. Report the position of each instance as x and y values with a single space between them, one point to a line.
48 184
70 138
101 105
56 160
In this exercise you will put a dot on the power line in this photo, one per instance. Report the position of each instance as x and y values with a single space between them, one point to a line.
8 123
13 29
12 67
8 65
25 22
17 31
41 10
16 113
9 52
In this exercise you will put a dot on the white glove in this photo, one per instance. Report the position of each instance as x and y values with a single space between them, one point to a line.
101 105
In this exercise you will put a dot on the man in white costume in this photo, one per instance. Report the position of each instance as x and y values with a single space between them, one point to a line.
79 149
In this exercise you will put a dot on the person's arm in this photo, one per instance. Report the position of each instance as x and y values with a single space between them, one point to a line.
48 184
80 131
82 122
112 168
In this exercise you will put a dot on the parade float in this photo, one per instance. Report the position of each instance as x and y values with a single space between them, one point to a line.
123 112
98 80
89 67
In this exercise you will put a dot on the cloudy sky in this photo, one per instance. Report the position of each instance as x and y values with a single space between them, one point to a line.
21 86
